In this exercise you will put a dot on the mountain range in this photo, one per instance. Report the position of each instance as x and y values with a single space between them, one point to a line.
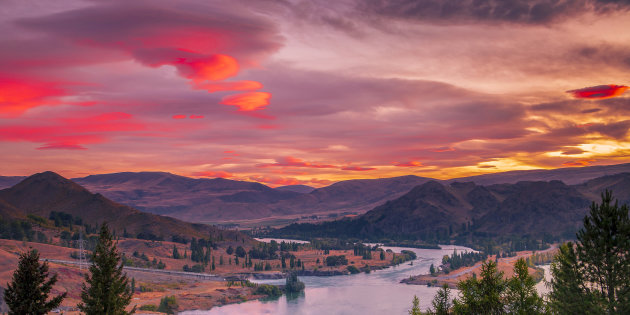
217 200
435 210
43 193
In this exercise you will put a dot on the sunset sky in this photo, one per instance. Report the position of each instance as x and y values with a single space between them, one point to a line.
311 92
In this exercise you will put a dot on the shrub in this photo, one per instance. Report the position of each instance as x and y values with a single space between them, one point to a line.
353 269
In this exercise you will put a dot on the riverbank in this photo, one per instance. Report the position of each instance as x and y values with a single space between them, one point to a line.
505 265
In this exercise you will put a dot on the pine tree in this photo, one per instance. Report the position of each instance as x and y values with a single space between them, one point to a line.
522 297
107 290
569 293
602 248
29 288
441 302
481 296
176 253
415 308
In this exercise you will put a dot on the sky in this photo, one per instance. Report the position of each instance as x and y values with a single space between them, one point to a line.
311 92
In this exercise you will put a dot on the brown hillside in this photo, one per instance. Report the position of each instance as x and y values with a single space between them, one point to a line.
45 192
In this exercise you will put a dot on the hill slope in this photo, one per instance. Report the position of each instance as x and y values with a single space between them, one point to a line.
436 211
43 193
222 199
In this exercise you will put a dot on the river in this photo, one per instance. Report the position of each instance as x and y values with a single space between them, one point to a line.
379 292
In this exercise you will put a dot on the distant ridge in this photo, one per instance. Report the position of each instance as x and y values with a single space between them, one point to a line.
435 210
218 199
42 193
303 189
568 175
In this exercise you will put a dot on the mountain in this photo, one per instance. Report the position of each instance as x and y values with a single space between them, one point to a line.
187 198
220 199
435 210
568 175
8 181
303 189
42 193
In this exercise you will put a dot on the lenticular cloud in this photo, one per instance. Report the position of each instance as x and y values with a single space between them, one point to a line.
599 92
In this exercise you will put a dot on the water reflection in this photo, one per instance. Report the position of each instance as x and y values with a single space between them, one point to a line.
376 293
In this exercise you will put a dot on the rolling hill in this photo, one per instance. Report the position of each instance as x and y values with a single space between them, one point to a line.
435 210
220 199
42 193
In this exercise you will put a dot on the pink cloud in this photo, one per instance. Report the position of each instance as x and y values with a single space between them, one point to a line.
290 161
196 116
179 116
443 149
229 86
70 133
18 96
599 92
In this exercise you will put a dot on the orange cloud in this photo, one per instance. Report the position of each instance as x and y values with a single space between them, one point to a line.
290 161
18 96
599 92
357 168
213 174
249 101
212 68
585 162
408 164
229 86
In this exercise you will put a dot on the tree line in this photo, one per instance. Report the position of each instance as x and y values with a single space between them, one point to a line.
106 289
590 275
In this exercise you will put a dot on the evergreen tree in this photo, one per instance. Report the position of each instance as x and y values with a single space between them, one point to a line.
522 297
481 296
415 308
569 292
29 288
107 290
176 253
602 247
442 301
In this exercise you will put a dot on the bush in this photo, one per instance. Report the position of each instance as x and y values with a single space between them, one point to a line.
353 269
148 307
336 260
168 304
269 290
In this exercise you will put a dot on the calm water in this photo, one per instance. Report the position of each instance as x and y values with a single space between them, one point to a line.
376 293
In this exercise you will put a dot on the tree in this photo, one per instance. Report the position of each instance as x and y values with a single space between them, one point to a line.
415 308
592 276
176 254
569 293
522 297
107 290
29 288
293 284
441 302
481 296
602 249
432 269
